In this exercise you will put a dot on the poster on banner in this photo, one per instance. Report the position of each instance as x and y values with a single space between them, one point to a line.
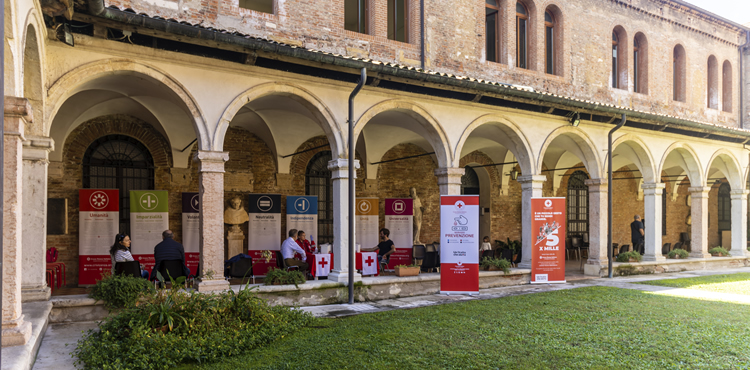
191 230
547 240
302 214
264 229
367 222
399 220
149 217
99 222
459 244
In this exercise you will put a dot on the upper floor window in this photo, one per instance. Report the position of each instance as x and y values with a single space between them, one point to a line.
265 6
678 73
549 43
712 83
397 25
522 29
726 86
619 59
355 15
640 64
492 27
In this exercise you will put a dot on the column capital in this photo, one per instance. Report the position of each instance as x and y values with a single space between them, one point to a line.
37 148
653 188
596 185
738 194
699 191
593 182
532 178
340 168
450 171
209 161
449 180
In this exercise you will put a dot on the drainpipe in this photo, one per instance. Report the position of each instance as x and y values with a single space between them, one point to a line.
350 163
421 31
742 80
609 191
2 149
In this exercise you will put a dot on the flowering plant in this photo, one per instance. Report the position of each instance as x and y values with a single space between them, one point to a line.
266 255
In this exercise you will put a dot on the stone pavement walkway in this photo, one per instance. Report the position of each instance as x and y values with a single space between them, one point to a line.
60 339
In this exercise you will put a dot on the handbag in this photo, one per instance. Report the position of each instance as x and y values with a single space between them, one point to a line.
52 255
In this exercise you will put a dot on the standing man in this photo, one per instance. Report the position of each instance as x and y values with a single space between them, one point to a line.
168 250
636 232
385 248
288 247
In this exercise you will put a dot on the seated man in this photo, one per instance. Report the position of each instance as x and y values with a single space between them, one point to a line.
288 247
307 245
385 248
168 250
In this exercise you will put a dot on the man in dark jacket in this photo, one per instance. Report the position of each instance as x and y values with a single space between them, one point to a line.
168 250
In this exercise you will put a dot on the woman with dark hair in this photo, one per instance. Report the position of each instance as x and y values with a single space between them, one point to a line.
120 252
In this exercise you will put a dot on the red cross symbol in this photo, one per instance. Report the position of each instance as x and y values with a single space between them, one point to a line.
460 205
323 263
369 260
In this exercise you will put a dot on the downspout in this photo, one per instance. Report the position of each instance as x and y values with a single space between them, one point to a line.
421 32
2 148
609 191
350 164
742 80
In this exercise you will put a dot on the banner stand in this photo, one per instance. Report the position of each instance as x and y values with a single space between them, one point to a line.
547 240
459 244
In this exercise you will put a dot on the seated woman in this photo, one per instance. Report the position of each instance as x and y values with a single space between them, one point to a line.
307 245
120 252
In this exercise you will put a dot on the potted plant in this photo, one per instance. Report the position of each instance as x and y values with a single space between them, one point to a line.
276 276
515 246
678 254
718 252
404 270
631 256
495 264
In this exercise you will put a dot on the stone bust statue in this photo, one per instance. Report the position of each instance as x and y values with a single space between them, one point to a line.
235 214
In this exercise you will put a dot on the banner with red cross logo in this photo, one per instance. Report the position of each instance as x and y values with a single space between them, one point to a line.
322 264
99 222
459 244
369 263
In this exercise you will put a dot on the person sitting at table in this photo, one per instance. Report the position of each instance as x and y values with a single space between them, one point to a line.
307 245
385 248
289 247
120 252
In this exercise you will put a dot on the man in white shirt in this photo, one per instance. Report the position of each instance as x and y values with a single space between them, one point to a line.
288 247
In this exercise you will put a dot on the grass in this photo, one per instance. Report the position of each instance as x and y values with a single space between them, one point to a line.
584 328
731 283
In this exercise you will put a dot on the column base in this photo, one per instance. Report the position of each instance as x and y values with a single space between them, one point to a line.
16 332
343 276
593 269
739 253
699 255
35 293
204 286
524 265
654 258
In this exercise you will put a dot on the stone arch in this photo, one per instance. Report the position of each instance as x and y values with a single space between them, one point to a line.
579 144
635 150
68 85
433 132
729 166
319 110
516 141
687 159
33 76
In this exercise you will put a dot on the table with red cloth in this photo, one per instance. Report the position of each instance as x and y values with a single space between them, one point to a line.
314 259
357 261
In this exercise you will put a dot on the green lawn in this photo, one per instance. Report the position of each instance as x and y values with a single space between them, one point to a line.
584 328
731 283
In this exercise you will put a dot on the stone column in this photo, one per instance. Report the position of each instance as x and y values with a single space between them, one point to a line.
531 187
211 180
739 223
597 227
699 221
449 180
16 331
340 175
35 162
652 193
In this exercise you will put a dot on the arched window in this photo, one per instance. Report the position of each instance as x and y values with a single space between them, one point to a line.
118 162
678 73
619 58
522 37
492 30
318 182
725 207
549 43
397 24
712 83
726 86
469 182
578 203
640 64
355 15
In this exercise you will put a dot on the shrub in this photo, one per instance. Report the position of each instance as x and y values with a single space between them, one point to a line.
719 250
119 291
170 327
500 263
626 256
678 252
274 276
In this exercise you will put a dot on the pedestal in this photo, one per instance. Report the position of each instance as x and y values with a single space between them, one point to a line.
235 238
